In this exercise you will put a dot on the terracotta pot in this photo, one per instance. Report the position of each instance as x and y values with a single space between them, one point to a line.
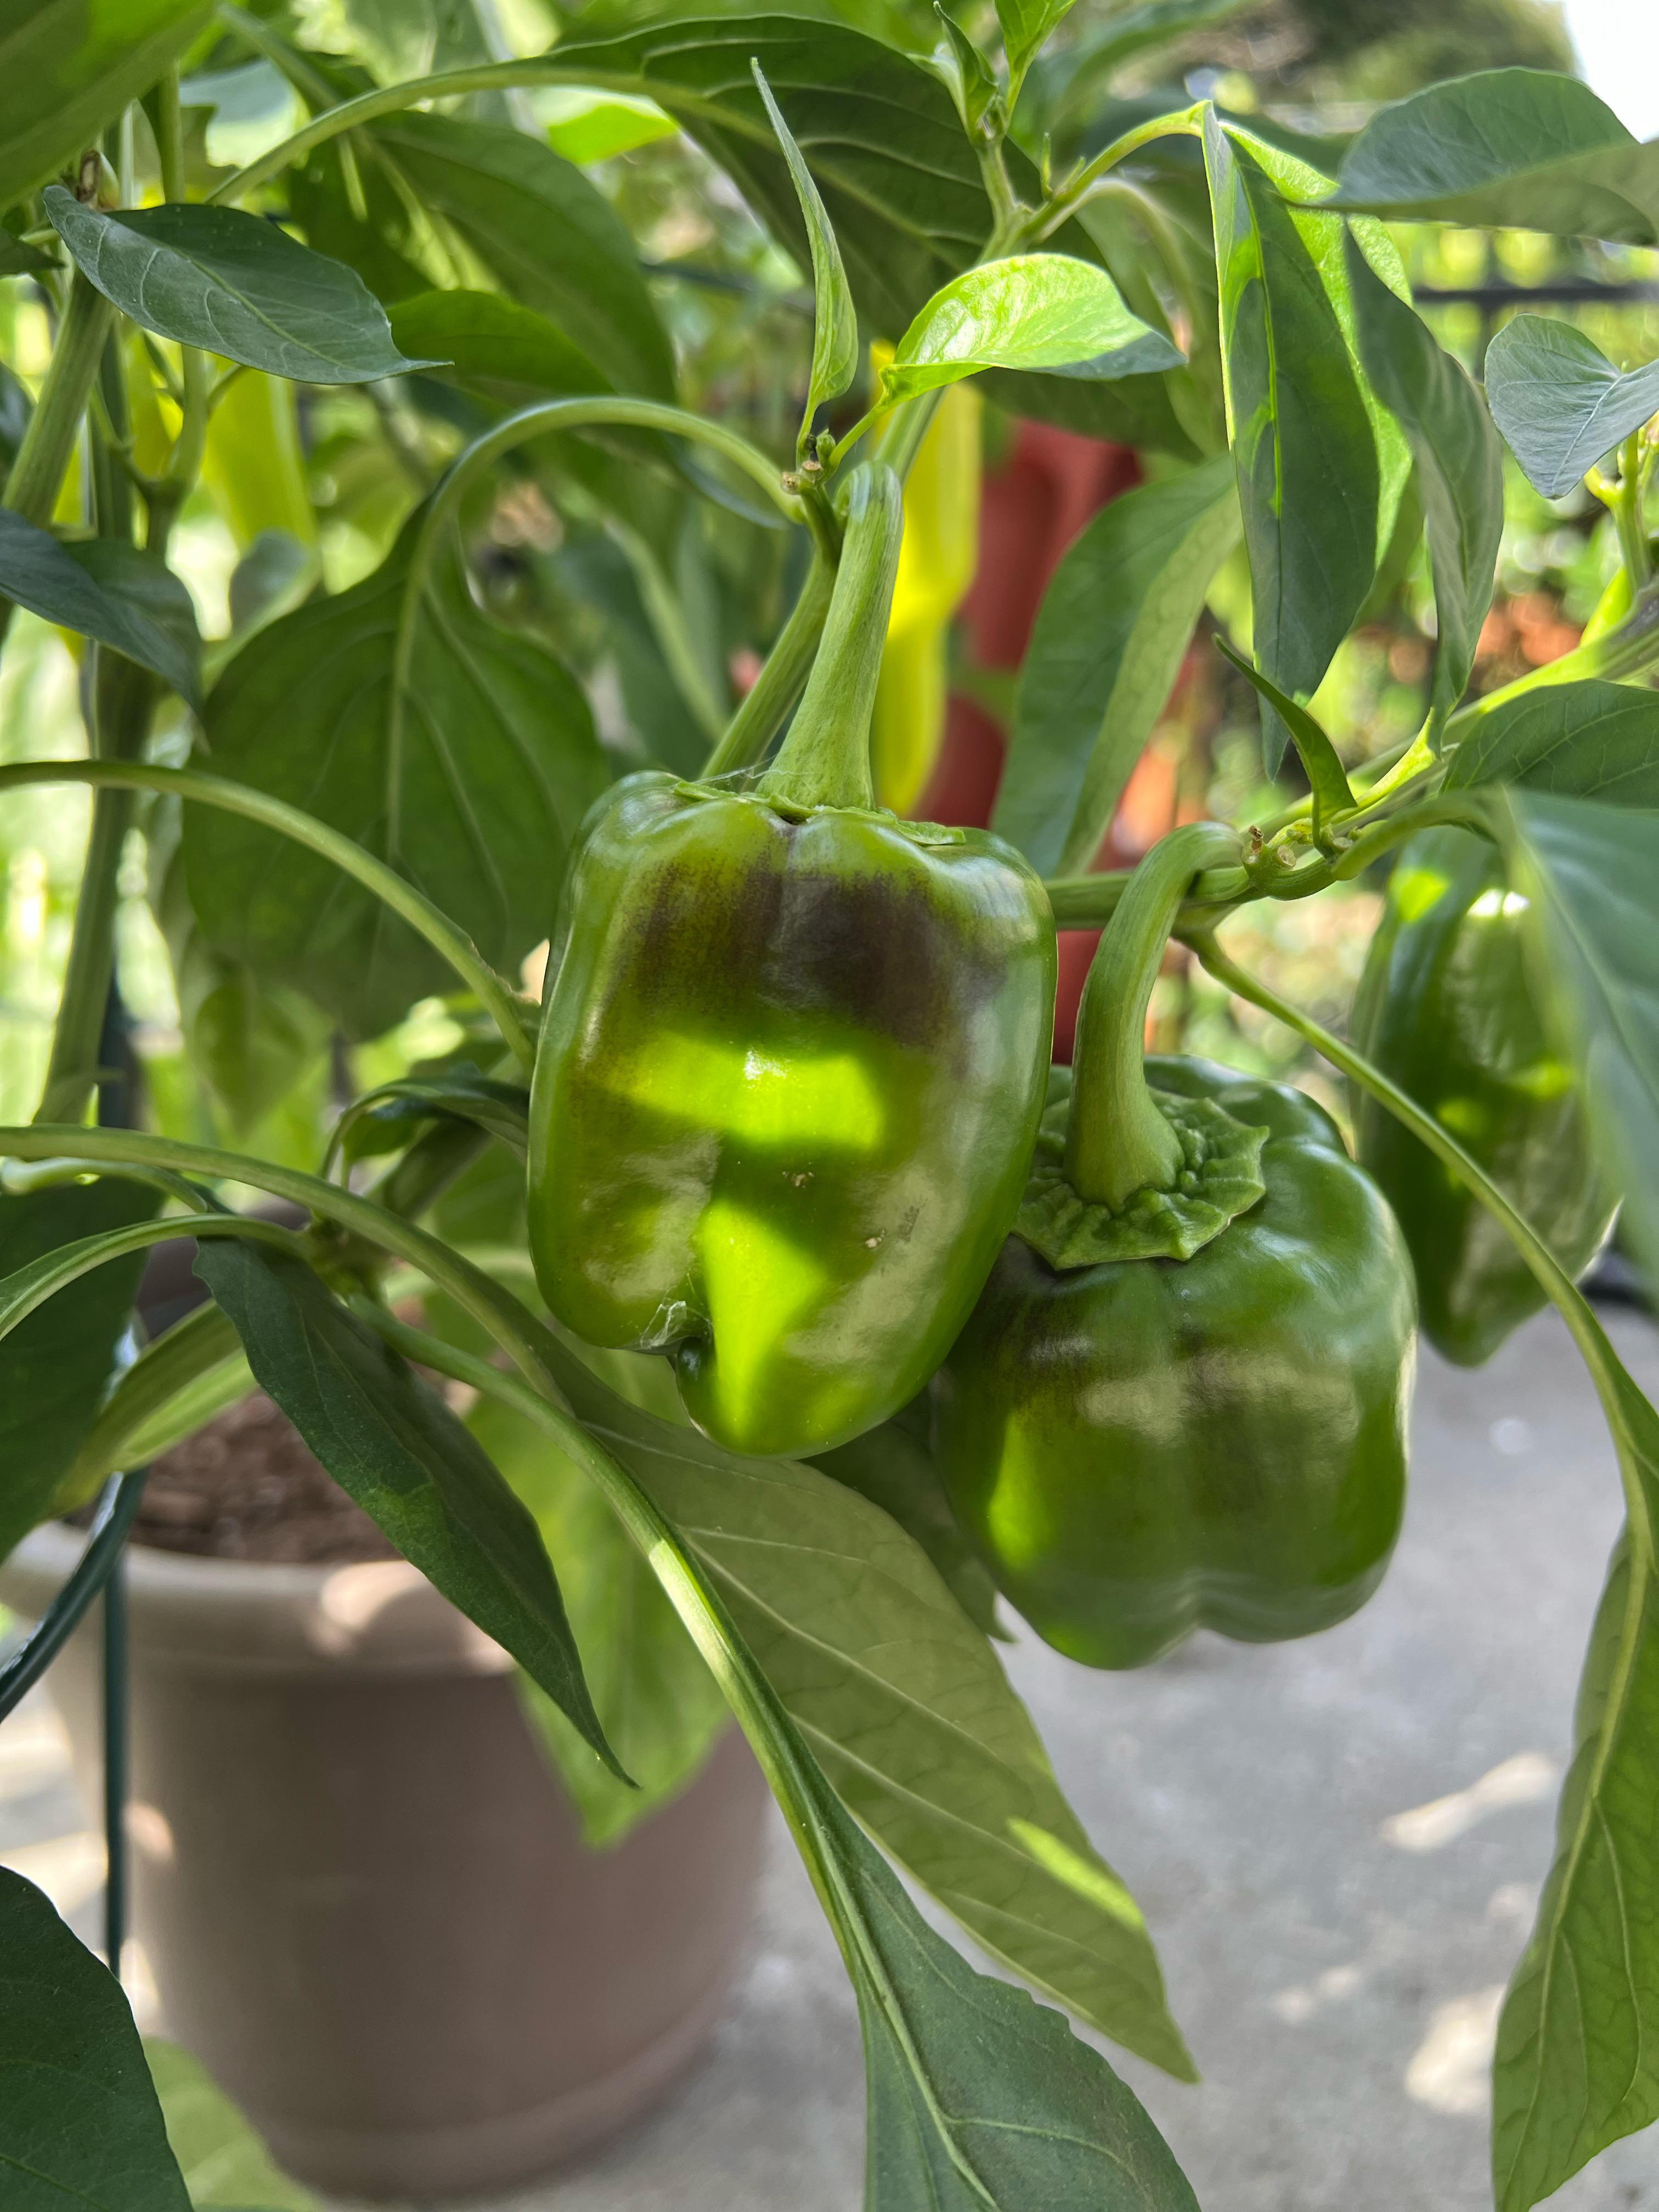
363 1894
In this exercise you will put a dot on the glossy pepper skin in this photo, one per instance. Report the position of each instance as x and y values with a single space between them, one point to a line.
1148 1446
1446 1008
788 1085
792 1063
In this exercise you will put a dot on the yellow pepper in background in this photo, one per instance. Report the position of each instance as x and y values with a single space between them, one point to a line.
937 562
254 465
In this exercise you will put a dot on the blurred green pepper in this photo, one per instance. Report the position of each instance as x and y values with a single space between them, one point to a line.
1445 1008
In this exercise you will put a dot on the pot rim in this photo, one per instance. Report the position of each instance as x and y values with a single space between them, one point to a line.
266 1617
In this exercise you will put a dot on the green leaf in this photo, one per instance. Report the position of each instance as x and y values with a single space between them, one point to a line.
1560 402
125 599
892 1466
80 2126
232 284
659 1704
1594 874
1585 740
1321 465
1032 311
224 2161
1327 778
1574 2071
1459 469
1105 651
67 67
492 344
900 181
835 319
976 2097
1026 25
978 91
904 1703
1515 148
393 1445
547 234
55 1366
498 764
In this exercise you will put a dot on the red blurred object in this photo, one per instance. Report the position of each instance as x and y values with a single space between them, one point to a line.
1033 507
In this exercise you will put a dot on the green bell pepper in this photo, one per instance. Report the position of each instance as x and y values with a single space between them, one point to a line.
1180 1400
1445 1007
791 1066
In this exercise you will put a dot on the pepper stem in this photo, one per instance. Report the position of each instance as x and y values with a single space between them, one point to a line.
1117 1141
825 759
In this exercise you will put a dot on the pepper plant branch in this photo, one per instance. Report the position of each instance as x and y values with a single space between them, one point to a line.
1183 123
1605 1370
1117 1141
493 991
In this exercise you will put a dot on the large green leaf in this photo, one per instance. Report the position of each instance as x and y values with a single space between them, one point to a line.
476 804
892 1466
1575 2069
494 345
108 591
1031 311
67 67
1066 84
549 235
226 2168
55 1366
978 2101
234 284
879 131
1516 148
1105 651
391 1443
1319 482
904 1703
1560 402
659 1705
81 2129
1585 740
1595 872
1459 469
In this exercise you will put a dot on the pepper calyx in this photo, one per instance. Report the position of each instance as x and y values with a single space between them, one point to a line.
1219 1178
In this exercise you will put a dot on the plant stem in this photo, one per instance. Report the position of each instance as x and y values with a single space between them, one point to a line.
494 993
1117 1142
825 759
37 474
775 690
1183 123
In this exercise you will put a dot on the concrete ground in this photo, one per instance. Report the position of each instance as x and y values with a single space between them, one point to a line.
1338 1845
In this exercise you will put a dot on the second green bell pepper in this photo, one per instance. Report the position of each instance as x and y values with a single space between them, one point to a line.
1181 1400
